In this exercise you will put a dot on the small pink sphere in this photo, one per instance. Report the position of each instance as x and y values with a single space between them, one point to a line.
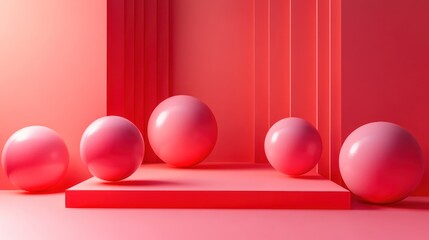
112 147
293 146
381 162
35 158
182 131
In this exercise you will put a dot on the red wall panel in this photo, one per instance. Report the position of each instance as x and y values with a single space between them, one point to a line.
279 49
212 58
385 59
116 57
303 59
335 95
323 81
261 77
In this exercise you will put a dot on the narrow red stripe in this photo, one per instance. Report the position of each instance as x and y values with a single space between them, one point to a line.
129 60
261 77
115 57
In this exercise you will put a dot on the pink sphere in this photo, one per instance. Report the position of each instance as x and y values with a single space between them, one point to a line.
381 162
112 147
293 146
35 158
182 131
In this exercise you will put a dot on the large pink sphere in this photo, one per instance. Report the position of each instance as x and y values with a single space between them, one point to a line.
381 162
112 147
182 131
293 146
35 158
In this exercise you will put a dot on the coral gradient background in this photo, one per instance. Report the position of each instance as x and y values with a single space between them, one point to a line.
52 70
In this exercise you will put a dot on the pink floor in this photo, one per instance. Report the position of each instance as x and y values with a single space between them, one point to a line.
26 216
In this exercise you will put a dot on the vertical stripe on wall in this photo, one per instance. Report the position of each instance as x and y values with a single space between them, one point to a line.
335 95
279 60
303 60
261 77
115 57
323 80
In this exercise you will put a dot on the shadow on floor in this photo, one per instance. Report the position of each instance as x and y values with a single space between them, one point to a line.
230 166
411 204
139 183
417 203
308 177
54 191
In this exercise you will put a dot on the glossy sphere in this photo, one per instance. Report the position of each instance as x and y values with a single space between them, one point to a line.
381 162
182 131
112 147
293 146
35 158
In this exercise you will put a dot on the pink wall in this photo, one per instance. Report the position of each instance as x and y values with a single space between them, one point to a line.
385 67
211 51
235 55
52 70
